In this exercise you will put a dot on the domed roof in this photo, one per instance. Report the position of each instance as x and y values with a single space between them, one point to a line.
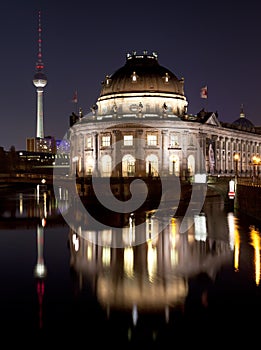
242 121
142 73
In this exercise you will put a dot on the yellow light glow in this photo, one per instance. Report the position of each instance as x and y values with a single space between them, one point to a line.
234 238
129 261
236 156
106 256
21 209
236 249
89 253
151 260
255 242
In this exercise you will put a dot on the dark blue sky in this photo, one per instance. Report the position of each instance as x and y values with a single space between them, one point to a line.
207 43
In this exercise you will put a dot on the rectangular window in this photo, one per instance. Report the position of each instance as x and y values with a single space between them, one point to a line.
174 142
128 140
106 141
152 140
89 142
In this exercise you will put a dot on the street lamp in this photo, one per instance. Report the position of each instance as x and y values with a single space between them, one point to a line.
173 167
236 158
256 161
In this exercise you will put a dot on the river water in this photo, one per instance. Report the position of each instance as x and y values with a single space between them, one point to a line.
70 285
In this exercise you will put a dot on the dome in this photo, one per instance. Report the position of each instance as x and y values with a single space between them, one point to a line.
141 88
242 121
142 73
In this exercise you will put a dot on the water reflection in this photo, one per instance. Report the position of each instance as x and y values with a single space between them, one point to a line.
26 206
255 242
146 290
150 277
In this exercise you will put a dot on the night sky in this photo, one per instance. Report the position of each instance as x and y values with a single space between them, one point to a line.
213 43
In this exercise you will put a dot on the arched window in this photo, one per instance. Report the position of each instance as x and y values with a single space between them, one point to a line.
152 165
106 166
89 165
174 165
191 165
128 165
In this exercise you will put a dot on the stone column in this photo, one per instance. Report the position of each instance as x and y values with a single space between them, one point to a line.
116 154
95 139
139 144
165 154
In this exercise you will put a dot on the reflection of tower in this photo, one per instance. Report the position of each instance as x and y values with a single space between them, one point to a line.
40 270
39 82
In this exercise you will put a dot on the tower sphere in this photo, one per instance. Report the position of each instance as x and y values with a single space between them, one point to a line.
40 79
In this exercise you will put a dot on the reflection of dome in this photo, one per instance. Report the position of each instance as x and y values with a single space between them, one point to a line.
242 121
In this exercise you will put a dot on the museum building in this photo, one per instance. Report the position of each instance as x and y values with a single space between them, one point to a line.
139 126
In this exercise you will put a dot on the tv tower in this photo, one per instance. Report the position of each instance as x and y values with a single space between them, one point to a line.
39 82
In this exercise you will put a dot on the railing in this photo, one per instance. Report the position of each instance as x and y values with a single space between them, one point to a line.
25 178
247 181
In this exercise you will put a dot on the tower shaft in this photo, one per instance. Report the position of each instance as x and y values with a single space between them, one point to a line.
40 125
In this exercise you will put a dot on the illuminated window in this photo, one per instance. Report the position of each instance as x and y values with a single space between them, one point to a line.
134 77
89 165
152 165
128 140
107 80
106 165
128 165
166 78
89 142
106 141
152 140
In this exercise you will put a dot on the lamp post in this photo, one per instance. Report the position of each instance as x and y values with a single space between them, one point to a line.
173 167
256 161
236 158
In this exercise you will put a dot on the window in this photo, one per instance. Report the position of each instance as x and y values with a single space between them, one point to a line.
106 165
166 78
128 140
152 140
134 77
107 80
174 142
152 166
106 141
89 142
128 165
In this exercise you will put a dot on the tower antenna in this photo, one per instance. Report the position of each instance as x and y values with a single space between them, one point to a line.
39 81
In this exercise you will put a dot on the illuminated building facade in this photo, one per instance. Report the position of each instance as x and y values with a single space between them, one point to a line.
139 126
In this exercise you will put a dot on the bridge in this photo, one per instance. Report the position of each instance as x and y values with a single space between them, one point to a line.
248 193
